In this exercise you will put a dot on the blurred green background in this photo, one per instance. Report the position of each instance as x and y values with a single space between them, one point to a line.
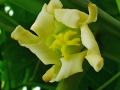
21 70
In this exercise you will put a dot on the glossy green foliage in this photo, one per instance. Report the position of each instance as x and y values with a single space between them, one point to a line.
19 67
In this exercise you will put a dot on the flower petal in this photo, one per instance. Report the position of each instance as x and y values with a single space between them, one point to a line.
92 13
74 18
54 4
70 17
93 54
51 73
27 39
44 24
70 66
24 36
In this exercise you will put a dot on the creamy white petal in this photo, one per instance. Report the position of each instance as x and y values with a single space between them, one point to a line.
51 73
54 4
24 36
32 42
70 66
44 24
70 17
93 12
93 55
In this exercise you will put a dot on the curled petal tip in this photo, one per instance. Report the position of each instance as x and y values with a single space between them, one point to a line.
13 34
99 65
23 36
54 4
96 61
93 54
48 75
93 12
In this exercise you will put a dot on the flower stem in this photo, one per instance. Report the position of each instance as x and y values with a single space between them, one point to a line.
109 19
109 81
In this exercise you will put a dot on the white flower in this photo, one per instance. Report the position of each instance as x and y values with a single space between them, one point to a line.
63 39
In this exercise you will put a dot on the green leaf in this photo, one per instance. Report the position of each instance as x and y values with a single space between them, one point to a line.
2 1
109 81
7 23
2 36
106 6
118 4
16 64
71 83
32 6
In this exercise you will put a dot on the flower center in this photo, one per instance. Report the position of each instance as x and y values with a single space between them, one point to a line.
67 43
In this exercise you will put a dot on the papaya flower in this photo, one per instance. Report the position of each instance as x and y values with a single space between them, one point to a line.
63 39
